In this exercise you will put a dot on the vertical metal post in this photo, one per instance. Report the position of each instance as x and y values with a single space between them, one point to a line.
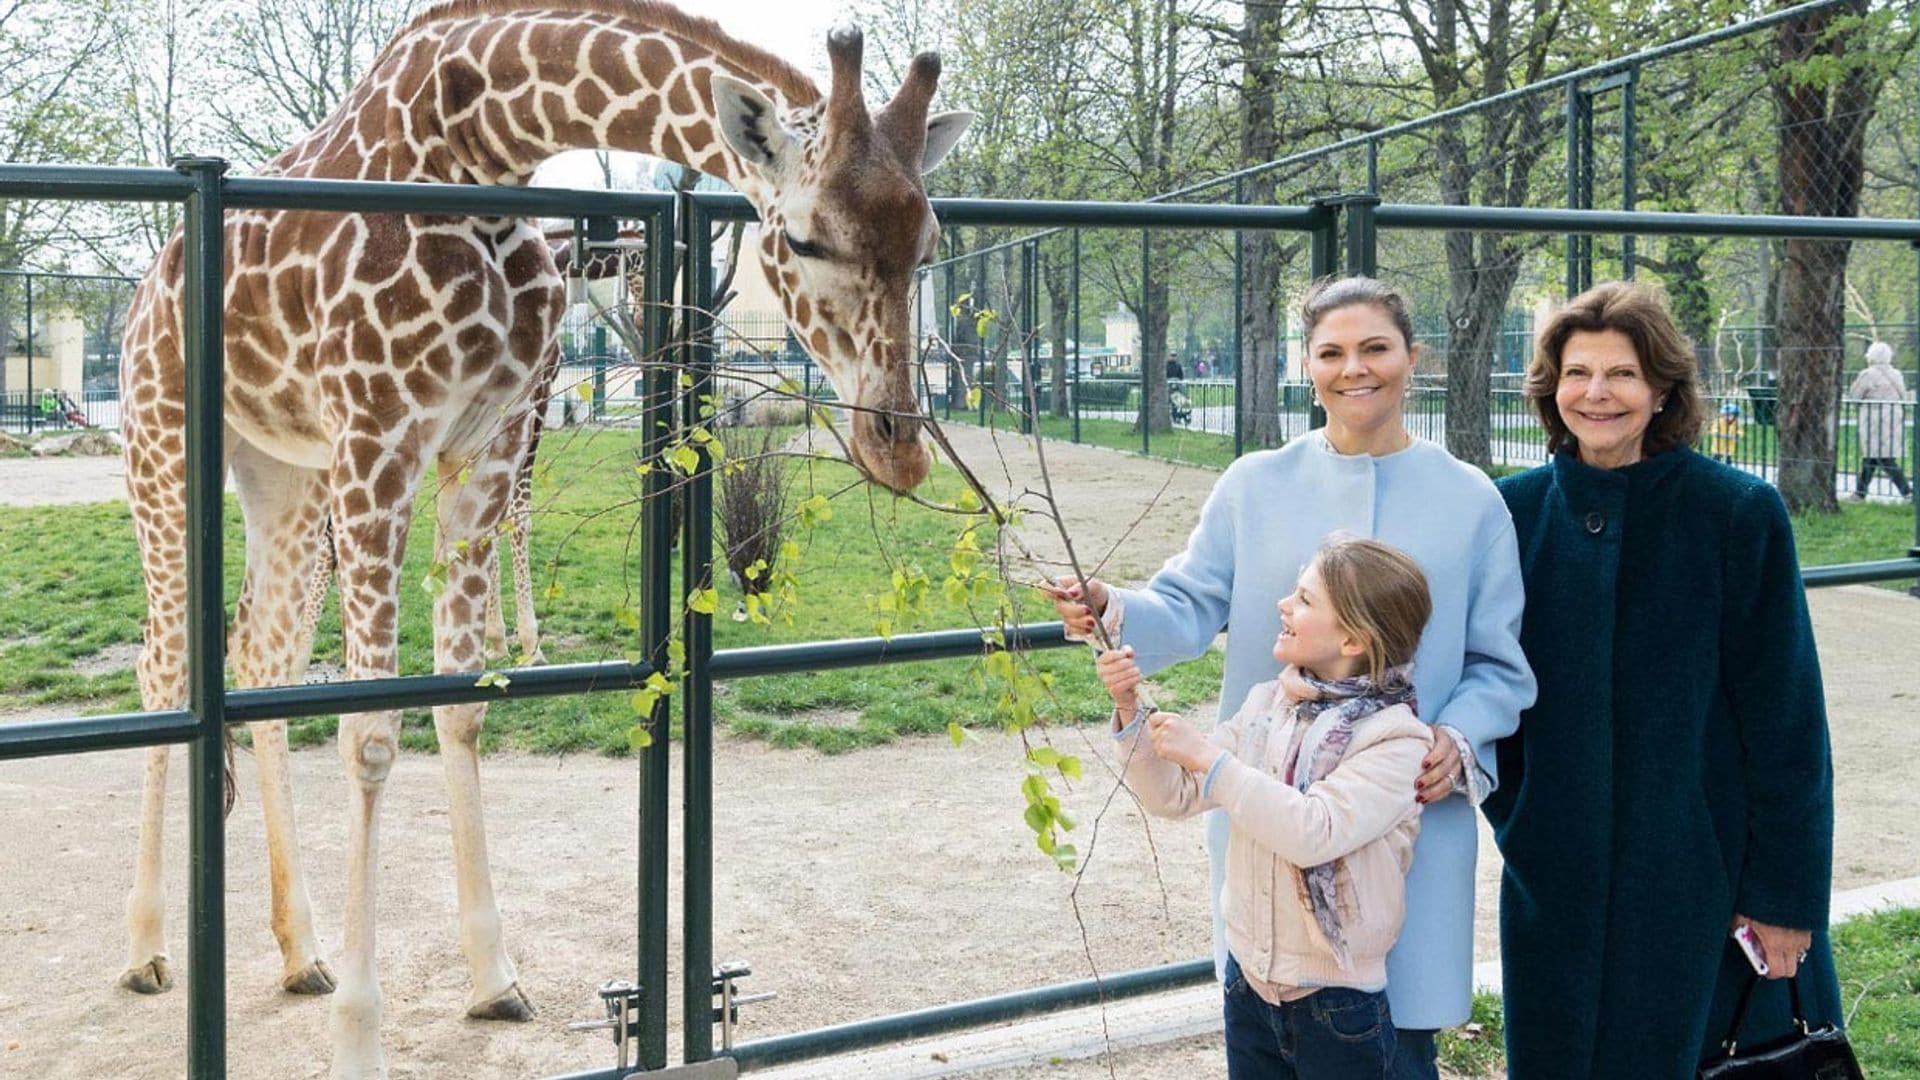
1321 265
1076 337
599 409
1373 166
657 599
981 381
1363 242
33 406
696 804
1239 325
1628 183
1029 301
206 623
953 326
1146 393
1574 101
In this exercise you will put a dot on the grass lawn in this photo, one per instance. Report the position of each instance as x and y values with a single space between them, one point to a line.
70 591
1878 958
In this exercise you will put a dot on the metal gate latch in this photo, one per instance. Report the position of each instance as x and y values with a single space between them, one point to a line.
622 1002
727 1014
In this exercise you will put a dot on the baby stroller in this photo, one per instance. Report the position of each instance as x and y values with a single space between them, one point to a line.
1178 404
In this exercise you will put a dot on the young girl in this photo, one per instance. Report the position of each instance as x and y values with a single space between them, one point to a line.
1316 774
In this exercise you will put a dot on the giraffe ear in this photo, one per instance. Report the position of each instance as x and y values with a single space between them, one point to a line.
749 125
943 131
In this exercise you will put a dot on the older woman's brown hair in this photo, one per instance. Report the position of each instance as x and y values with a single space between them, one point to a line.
1666 360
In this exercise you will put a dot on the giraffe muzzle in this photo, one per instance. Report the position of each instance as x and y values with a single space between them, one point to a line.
886 446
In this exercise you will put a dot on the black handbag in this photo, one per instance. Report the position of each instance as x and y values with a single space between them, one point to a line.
1821 1053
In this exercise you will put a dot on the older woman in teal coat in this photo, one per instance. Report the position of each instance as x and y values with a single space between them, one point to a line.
1672 780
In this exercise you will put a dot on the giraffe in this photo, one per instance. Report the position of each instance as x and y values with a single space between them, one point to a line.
364 350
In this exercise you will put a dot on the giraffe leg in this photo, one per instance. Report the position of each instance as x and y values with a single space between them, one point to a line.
158 503
469 514
526 621
369 546
496 626
285 511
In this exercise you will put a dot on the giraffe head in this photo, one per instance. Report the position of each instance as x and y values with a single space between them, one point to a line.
845 222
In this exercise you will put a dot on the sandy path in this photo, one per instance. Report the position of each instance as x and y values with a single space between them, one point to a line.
856 885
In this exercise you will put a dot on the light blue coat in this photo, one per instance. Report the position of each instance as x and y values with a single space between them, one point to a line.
1265 518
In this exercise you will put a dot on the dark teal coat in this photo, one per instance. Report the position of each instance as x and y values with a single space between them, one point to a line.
1674 769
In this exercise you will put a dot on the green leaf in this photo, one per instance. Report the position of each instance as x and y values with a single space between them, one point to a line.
973 397
814 510
1070 767
968 501
1037 820
1065 856
685 458
643 701
955 732
626 618
703 601
1046 757
1000 665
493 678
638 737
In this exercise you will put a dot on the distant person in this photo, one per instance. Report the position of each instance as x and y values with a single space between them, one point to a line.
1723 438
1881 426
1174 370
1316 774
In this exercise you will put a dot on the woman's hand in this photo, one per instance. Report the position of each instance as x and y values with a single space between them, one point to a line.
1175 740
1121 676
1438 769
1077 611
1781 947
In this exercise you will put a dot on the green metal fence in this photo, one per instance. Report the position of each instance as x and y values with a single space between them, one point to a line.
206 194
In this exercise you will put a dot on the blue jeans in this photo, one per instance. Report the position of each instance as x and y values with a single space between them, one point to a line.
1334 1034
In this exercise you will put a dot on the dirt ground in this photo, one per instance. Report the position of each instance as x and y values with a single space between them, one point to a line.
855 885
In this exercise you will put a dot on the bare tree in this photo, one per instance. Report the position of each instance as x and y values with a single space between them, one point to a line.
291 63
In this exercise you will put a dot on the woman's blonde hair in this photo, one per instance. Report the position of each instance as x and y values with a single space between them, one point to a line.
1378 594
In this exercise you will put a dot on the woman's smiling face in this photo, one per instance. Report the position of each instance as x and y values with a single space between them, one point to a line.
1604 397
1360 366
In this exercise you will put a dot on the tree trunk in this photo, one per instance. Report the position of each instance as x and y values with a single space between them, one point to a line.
1261 302
1823 118
1153 349
1692 304
1259 359
1059 307
1812 324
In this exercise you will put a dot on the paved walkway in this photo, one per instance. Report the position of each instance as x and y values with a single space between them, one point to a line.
1147 1021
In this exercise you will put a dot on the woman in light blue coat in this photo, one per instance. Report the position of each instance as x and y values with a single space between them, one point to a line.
1363 473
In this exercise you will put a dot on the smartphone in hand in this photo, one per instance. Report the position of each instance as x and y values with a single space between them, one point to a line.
1749 943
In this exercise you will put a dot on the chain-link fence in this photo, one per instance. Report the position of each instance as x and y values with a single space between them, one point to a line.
1781 115
60 349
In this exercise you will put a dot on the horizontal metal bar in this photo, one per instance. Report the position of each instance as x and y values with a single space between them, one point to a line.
723 206
863 652
80 734
823 1042
416 691
1641 222
62 275
277 193
89 183
1857 573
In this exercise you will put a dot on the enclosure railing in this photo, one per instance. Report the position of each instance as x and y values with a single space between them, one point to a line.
206 194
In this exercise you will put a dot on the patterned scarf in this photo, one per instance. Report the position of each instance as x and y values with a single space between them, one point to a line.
1328 719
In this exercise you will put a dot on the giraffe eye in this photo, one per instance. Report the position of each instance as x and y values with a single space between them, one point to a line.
803 249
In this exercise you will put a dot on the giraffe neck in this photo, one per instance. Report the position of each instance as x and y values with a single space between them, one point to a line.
486 98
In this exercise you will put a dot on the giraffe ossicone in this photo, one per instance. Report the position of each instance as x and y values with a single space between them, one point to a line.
364 352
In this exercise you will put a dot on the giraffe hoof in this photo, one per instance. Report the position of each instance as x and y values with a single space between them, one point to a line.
152 977
315 978
536 658
509 1004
